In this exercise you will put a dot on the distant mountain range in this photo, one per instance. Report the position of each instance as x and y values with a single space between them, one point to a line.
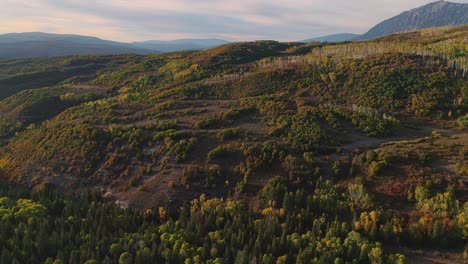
179 44
333 38
38 44
436 14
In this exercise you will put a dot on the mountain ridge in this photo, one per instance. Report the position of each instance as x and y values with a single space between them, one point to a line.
440 13
340 37
40 44
180 44
42 36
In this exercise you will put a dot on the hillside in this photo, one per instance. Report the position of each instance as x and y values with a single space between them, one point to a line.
18 75
440 13
259 151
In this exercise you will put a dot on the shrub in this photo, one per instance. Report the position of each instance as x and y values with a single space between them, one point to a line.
206 123
463 120
306 130
440 205
308 158
461 168
163 126
171 134
274 190
233 114
326 197
376 127
371 156
214 173
375 167
421 105
171 184
222 151
181 149
358 197
72 98
230 133
192 173
126 258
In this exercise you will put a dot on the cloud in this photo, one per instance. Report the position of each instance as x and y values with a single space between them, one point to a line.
126 20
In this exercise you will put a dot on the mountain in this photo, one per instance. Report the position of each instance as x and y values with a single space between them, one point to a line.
180 44
37 49
333 38
40 36
38 44
440 13
436 14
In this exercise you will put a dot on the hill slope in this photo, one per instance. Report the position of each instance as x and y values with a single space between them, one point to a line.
201 94
440 13
268 151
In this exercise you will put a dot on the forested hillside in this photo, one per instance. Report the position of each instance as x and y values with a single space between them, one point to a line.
256 152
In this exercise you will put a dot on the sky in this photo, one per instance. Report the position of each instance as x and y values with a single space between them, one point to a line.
238 20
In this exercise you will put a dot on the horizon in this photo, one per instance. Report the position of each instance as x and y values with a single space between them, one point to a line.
144 20
129 42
